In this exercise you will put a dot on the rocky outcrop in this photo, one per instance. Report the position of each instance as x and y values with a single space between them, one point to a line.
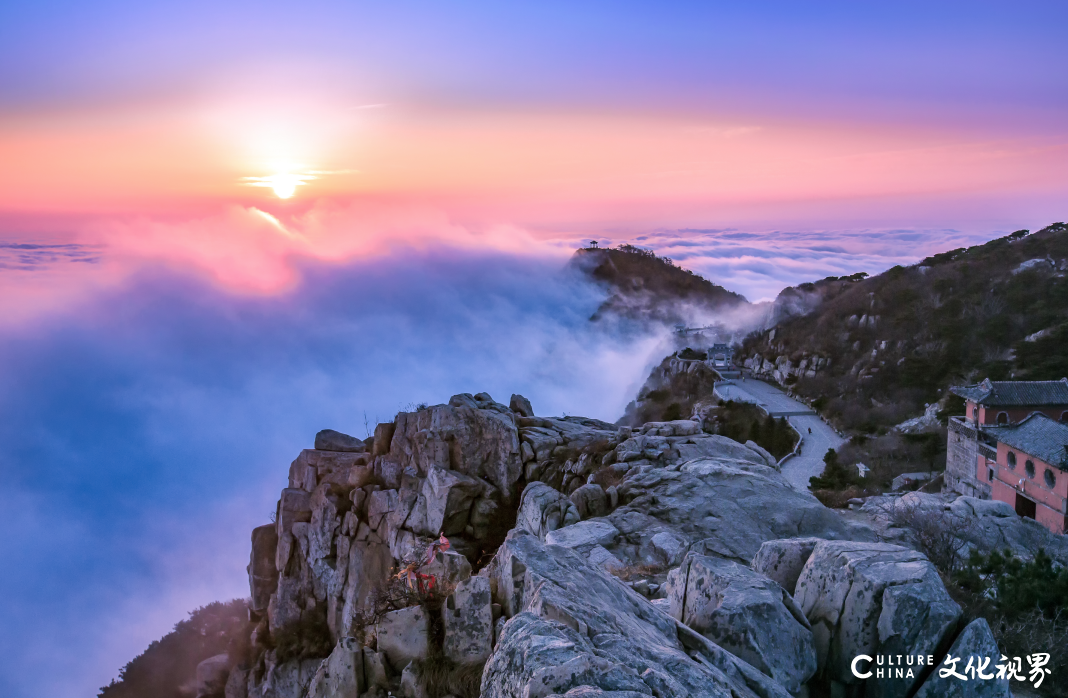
713 506
781 367
682 440
520 406
625 572
330 440
262 572
564 452
472 435
983 524
974 644
783 560
212 675
746 614
467 620
403 635
341 674
874 599
573 627
543 509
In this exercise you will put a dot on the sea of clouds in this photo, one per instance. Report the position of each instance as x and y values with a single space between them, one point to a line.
147 424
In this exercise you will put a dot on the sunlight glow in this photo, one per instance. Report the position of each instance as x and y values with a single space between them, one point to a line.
284 184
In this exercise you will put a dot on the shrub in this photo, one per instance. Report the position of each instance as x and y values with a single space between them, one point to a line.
658 395
170 663
1018 586
939 534
1025 605
742 422
305 638
836 475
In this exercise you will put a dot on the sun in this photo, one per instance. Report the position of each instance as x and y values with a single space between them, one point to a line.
284 184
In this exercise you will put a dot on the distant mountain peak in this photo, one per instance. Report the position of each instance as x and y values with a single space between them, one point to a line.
645 287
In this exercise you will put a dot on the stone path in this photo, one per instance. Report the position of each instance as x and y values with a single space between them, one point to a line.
809 462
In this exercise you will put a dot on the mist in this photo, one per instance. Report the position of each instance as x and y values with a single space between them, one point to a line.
150 406
144 435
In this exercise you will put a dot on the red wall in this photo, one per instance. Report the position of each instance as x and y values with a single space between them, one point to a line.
1051 508
990 415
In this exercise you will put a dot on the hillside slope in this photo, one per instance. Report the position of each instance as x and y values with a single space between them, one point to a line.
873 351
645 287
167 669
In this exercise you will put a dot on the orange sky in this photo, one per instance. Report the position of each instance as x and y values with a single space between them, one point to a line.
543 168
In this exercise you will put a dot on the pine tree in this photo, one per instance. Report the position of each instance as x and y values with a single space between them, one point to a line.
836 475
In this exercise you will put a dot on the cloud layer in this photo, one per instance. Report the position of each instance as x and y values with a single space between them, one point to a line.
759 264
161 377
144 435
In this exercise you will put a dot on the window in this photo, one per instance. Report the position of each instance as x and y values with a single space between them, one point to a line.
990 475
1029 468
1051 479
1012 460
1003 417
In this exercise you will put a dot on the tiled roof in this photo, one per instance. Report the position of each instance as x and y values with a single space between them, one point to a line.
1020 393
1038 436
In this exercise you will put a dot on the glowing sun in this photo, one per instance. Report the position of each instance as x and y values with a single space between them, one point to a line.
284 184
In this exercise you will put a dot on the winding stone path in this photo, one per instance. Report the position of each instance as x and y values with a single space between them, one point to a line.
809 462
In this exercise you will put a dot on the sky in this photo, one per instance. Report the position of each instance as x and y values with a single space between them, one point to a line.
227 225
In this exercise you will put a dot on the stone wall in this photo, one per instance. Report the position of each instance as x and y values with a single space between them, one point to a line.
962 452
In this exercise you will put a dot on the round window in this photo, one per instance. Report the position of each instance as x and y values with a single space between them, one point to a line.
1012 460
1029 468
1051 479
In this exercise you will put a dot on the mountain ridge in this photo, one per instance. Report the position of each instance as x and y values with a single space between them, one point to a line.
873 351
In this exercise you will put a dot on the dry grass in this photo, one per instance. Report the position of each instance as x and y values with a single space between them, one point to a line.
839 499
607 476
630 573
441 677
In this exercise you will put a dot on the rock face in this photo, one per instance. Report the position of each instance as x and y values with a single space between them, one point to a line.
678 514
988 524
575 628
783 560
330 440
746 614
564 452
543 509
286 680
590 500
467 618
403 635
341 674
212 674
975 641
873 598
714 506
262 572
474 437
521 406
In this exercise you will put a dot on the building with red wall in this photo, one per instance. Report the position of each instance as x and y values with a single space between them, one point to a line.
992 404
1030 469
1007 402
